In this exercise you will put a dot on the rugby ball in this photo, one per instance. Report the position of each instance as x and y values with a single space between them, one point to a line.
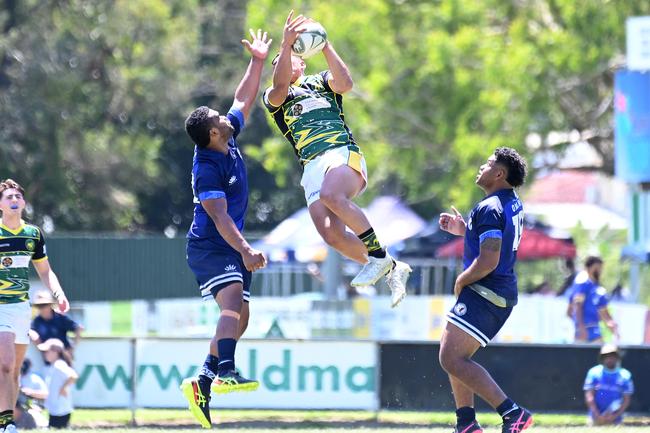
311 41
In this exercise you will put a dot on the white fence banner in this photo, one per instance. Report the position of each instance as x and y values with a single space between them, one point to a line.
292 374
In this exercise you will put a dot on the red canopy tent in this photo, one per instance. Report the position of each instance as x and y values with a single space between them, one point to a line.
535 245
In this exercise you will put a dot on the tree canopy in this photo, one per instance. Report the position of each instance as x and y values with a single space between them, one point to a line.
94 94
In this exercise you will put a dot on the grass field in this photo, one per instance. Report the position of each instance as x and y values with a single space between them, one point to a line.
267 421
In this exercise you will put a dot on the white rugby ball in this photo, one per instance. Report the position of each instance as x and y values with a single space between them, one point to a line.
311 41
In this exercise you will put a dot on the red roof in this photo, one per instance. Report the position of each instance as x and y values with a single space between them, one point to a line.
535 245
569 186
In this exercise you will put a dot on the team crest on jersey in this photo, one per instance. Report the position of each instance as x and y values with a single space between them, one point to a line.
296 110
30 245
460 309
230 268
7 262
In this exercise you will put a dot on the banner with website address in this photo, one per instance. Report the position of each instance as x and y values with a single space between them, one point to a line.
300 375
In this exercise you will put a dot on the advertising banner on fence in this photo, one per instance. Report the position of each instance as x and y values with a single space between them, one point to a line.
302 375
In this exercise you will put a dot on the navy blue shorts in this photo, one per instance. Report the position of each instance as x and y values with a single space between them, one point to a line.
477 316
216 268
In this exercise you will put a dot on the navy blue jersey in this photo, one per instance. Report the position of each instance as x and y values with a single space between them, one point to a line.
499 215
56 327
218 175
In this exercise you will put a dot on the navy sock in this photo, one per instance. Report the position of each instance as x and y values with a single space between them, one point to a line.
226 354
209 370
465 415
506 407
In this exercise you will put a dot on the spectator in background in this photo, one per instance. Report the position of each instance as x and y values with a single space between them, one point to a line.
59 377
619 293
608 388
33 391
568 281
50 324
588 304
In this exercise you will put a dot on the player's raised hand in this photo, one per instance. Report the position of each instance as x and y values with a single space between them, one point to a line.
452 223
292 28
253 259
259 45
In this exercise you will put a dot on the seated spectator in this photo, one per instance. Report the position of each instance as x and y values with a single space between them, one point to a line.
50 324
59 378
32 393
608 388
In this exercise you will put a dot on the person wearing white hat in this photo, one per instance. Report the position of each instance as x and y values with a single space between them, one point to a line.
50 324
59 377
608 388
21 243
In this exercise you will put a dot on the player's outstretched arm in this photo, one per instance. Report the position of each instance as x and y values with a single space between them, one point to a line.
51 281
246 92
282 71
218 211
341 80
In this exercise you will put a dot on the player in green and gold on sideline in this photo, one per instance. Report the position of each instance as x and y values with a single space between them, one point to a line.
20 243
308 110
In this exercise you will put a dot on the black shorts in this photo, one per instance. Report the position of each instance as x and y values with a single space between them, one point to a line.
477 316
59 421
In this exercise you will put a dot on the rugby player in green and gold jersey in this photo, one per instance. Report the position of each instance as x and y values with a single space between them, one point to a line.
20 243
308 110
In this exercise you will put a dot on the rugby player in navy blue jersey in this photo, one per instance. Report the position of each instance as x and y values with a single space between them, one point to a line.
486 290
217 252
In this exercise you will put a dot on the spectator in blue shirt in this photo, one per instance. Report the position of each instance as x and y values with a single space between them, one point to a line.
50 324
588 304
608 388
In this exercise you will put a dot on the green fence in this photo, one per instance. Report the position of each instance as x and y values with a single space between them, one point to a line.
106 269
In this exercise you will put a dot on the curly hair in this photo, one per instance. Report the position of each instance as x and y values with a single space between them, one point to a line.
10 184
514 163
197 126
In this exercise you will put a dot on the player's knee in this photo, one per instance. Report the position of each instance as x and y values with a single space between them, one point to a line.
447 360
7 367
332 199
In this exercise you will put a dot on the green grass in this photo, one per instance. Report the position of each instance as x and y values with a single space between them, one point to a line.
490 429
301 421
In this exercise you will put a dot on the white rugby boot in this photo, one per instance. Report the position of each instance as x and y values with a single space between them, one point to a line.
396 280
373 271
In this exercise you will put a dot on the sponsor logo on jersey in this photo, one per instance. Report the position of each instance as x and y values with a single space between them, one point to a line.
232 180
230 268
7 262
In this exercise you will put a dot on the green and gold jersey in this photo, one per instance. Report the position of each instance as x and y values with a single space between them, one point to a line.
17 249
311 117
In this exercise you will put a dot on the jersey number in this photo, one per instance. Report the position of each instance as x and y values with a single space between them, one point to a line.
518 222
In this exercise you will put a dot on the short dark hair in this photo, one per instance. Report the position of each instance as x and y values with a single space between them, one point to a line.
197 126
593 260
10 184
514 163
